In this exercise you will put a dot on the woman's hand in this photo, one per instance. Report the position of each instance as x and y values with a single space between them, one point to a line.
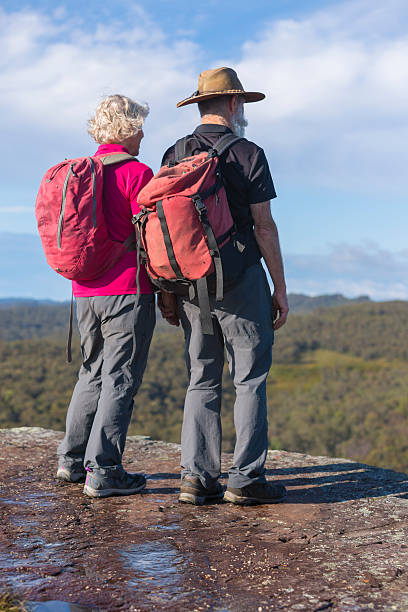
167 303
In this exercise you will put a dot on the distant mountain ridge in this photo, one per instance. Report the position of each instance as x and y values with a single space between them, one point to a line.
25 318
17 301
298 302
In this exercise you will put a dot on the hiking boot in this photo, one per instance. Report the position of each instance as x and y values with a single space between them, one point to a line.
70 475
114 483
256 493
192 491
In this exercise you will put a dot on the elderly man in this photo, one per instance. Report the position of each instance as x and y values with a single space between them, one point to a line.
244 321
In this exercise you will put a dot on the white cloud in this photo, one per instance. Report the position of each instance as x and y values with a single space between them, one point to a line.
20 32
351 270
326 67
336 81
337 95
375 290
53 75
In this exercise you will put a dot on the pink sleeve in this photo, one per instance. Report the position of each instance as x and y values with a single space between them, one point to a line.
143 176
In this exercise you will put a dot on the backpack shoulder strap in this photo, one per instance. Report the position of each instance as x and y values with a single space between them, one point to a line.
115 158
180 148
184 147
224 143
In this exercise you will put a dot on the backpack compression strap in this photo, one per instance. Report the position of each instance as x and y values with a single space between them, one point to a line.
201 283
212 244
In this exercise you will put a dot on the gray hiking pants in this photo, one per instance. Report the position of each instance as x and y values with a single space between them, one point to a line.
115 341
243 326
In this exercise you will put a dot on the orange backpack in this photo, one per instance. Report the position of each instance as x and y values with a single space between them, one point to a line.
185 228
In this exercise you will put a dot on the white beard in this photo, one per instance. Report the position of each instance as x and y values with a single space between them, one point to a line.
239 122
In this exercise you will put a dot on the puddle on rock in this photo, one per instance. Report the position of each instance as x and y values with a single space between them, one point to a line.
158 565
31 562
19 522
55 606
172 527
15 573
37 500
42 551
14 502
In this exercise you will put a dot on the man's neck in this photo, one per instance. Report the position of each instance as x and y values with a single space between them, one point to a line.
215 120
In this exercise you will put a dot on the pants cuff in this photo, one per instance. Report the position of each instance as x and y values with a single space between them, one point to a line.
105 470
238 481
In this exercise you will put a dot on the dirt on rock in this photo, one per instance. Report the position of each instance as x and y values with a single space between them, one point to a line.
338 542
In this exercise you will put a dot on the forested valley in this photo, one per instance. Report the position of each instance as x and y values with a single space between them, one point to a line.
338 385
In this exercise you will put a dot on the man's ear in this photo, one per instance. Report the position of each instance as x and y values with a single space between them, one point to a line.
233 104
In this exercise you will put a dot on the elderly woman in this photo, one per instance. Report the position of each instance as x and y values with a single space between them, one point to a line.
115 324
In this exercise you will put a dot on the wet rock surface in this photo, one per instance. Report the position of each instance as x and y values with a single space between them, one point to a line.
339 542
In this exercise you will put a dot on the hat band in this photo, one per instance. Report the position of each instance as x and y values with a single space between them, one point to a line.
217 91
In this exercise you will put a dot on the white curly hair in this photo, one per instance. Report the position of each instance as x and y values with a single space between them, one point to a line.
117 118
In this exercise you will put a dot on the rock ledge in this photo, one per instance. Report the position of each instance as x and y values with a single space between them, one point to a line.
338 543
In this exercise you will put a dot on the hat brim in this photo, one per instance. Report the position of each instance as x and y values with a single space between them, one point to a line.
249 96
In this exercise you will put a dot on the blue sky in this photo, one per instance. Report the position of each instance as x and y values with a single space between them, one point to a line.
334 124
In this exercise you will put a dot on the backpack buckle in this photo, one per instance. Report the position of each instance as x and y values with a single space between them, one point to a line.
199 204
136 218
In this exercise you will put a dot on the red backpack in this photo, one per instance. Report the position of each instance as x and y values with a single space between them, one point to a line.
185 227
71 223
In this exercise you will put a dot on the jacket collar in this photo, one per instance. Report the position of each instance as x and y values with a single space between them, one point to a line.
104 149
213 128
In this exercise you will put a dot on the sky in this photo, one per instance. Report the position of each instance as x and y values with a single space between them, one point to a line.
334 124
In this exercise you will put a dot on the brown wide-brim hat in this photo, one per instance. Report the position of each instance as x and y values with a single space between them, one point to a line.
220 82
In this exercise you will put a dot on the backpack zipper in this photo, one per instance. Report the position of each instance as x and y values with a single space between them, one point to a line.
56 169
63 202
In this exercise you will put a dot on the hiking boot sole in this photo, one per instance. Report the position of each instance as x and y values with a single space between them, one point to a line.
73 477
250 501
198 500
189 498
109 492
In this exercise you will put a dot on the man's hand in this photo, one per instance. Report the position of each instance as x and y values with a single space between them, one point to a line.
167 303
280 309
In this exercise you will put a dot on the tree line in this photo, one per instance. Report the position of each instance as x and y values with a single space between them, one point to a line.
338 385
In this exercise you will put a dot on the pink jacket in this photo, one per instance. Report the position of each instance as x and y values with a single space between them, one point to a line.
121 184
